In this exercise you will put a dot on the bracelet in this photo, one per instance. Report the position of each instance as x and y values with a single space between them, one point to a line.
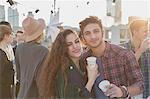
124 91
128 95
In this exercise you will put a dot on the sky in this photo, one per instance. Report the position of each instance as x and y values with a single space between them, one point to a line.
73 11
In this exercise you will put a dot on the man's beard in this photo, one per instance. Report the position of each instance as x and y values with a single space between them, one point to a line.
99 44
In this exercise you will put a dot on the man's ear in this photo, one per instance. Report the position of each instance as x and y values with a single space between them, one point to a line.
103 32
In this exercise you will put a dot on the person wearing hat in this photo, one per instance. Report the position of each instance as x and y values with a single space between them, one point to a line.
29 57
6 23
6 64
140 44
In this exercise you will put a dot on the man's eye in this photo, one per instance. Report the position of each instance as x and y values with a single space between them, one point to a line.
87 33
96 31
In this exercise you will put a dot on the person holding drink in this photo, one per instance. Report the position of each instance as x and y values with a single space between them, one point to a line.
115 64
62 76
140 45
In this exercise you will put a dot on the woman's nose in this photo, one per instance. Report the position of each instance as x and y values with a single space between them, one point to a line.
74 45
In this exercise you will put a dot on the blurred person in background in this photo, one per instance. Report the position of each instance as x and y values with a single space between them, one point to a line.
29 57
6 64
140 45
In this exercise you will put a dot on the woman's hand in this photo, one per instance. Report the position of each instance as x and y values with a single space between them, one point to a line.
92 75
145 45
92 72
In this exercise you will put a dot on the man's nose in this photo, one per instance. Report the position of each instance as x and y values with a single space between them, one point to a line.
93 36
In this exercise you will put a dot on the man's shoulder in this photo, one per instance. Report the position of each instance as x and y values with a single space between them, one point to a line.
119 50
115 48
86 52
32 47
20 45
44 49
126 44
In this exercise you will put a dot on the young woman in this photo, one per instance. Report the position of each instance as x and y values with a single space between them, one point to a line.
62 76
6 65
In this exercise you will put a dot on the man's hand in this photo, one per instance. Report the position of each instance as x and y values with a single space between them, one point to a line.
113 91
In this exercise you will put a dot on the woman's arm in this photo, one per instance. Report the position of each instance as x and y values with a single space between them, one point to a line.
92 75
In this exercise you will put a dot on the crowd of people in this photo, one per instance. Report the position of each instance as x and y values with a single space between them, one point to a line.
62 72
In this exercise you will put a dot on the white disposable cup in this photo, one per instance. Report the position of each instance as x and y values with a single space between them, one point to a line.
91 61
102 85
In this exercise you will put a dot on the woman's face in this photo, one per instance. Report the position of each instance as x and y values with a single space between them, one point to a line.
141 33
8 38
74 47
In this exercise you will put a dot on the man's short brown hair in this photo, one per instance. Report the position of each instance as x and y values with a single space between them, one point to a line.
89 20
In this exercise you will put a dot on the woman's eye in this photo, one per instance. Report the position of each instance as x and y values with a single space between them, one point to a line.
77 41
68 44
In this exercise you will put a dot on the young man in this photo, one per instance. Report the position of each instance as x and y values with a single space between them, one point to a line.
119 66
140 44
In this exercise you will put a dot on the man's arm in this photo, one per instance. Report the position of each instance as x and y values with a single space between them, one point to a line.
134 75
134 79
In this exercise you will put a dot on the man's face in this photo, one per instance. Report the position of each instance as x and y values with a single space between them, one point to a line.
19 37
92 35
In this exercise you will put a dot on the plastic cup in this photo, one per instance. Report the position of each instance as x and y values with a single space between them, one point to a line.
91 61
102 85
